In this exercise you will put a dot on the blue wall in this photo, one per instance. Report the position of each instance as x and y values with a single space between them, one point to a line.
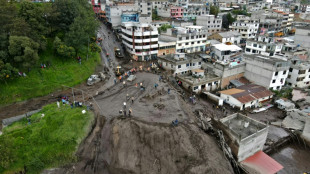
130 17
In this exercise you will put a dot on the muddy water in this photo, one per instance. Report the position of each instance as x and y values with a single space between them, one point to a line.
295 159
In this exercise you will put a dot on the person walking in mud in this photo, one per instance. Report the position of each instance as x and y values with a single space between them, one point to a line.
129 112
132 100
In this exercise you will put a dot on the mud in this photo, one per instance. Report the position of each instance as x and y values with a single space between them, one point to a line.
294 158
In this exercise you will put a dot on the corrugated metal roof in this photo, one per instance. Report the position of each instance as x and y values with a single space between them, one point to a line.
231 91
262 163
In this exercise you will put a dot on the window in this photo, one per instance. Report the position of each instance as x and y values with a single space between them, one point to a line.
276 74
180 38
192 37
273 81
289 76
171 66
179 66
199 63
198 42
187 65
291 69
187 38
193 43
196 87
193 64
180 44
284 72
186 43
302 72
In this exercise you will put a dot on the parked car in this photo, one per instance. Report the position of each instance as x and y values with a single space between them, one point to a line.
131 78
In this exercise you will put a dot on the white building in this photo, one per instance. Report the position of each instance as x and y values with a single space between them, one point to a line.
299 74
247 27
140 40
180 63
211 22
228 37
246 96
263 45
189 39
270 72
225 52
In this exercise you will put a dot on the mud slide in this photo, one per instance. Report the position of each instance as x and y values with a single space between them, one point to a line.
129 145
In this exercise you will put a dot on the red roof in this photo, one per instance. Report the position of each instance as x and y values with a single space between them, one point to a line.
262 163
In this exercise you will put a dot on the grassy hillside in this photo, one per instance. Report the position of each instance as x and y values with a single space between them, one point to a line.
49 141
40 82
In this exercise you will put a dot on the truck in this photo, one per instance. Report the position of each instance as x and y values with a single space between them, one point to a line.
118 53
93 79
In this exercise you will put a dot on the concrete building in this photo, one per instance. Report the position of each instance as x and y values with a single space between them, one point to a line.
299 74
263 45
164 12
270 72
114 12
229 37
247 136
225 52
247 27
305 7
193 10
211 22
140 40
176 12
166 48
199 83
188 39
246 96
180 63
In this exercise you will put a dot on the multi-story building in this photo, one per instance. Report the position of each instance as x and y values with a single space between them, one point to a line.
305 7
247 27
225 52
228 37
299 74
269 24
166 47
114 12
176 12
193 10
180 63
188 39
263 45
270 72
214 24
140 40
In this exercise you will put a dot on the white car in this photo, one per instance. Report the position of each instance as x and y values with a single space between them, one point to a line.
131 78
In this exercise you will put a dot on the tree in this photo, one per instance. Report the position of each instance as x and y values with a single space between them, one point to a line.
84 25
7 71
164 28
65 51
155 14
214 10
24 51
65 12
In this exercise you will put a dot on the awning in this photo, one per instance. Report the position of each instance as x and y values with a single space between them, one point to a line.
261 163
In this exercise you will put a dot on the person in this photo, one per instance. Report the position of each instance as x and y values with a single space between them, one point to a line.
132 99
124 83
71 105
124 106
136 85
168 90
114 80
58 104
159 78
129 112
175 122
155 85
127 96
125 113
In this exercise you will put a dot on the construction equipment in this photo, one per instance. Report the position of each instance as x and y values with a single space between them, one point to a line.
118 53
279 34
119 71
93 79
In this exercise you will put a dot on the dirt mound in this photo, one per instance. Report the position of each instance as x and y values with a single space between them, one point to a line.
140 147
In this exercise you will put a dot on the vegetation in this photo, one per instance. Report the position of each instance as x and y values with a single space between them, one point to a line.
241 12
48 141
227 20
164 28
34 34
26 27
214 10
283 93
155 15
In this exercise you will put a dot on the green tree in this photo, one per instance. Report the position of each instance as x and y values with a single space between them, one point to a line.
84 26
155 14
164 28
214 10
65 51
7 71
24 51
65 12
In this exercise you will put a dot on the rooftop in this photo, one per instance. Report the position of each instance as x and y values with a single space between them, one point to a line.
242 126
248 93
198 81
181 58
270 59
224 47
229 34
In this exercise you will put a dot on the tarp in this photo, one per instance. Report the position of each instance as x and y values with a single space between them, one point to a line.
262 163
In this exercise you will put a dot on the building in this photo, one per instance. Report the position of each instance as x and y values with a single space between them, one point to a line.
247 27
198 81
130 16
299 74
166 48
263 45
305 7
140 40
267 71
188 39
246 140
229 37
212 23
225 52
246 96
180 63
227 71
114 12
176 12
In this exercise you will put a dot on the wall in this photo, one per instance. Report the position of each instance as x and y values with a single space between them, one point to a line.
166 51
9 121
